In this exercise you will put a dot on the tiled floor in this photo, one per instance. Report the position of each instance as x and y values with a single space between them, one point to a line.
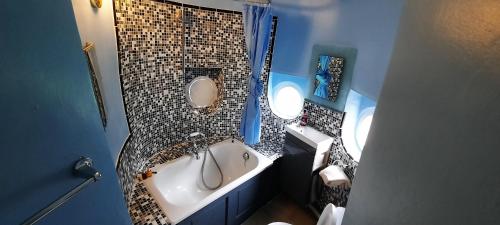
281 209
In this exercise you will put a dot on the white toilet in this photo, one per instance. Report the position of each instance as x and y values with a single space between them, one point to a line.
331 215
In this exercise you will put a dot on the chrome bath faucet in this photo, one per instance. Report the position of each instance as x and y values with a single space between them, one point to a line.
195 151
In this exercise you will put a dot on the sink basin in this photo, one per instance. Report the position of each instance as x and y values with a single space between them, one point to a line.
310 136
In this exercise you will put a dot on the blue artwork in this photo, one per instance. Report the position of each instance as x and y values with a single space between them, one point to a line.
328 77
331 70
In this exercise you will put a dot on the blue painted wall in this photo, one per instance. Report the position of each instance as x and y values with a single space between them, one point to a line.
368 26
49 119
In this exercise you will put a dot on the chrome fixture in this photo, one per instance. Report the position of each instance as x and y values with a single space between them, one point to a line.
196 134
194 150
195 153
96 3
255 2
206 149
83 168
246 156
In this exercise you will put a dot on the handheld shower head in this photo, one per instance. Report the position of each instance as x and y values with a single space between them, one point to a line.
196 134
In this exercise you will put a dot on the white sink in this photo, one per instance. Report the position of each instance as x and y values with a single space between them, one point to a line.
309 135
320 141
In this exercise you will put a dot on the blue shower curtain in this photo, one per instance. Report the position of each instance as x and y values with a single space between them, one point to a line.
257 22
323 76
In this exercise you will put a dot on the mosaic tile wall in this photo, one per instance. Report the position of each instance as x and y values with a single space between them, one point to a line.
150 38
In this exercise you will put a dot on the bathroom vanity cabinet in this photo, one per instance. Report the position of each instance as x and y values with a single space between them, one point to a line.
305 151
236 206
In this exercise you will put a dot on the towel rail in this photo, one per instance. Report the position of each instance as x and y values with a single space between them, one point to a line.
82 168
95 83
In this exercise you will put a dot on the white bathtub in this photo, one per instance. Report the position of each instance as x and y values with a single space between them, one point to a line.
177 186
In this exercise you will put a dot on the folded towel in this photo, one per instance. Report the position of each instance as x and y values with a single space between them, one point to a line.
334 176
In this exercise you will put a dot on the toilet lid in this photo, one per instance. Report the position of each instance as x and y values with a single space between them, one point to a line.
339 211
331 215
201 92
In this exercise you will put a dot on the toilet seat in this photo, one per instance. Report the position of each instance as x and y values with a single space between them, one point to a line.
279 223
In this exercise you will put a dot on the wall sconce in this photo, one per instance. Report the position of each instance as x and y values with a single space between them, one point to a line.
96 3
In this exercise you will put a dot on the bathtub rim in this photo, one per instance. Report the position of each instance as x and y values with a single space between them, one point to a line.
263 163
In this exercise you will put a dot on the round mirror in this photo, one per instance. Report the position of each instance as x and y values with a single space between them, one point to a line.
201 92
204 89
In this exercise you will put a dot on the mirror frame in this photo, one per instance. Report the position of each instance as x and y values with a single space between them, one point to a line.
349 55
219 81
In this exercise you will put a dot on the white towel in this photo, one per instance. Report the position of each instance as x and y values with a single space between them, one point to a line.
334 176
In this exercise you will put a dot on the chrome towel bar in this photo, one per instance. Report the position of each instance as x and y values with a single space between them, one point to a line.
82 168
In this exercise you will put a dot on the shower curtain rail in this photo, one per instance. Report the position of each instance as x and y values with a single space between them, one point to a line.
82 168
255 2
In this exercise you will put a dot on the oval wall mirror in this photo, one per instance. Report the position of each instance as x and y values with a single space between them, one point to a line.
201 92
204 89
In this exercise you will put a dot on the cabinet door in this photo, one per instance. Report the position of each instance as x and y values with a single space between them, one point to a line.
236 206
186 221
248 197
212 214
295 175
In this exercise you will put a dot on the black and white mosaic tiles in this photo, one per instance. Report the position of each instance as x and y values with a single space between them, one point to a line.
329 122
143 208
152 37
151 41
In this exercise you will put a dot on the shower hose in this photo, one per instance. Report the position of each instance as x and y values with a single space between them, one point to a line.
203 169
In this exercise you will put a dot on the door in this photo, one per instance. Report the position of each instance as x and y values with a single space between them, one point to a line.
49 118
